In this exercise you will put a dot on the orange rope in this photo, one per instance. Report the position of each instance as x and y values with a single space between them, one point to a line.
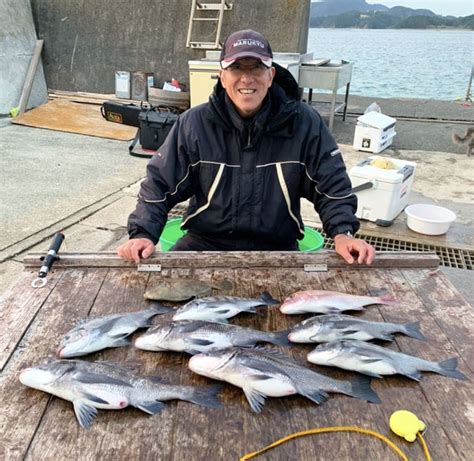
323 430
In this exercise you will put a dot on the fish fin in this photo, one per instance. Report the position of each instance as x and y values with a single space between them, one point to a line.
94 398
260 377
121 342
222 285
91 378
108 325
413 330
360 389
386 337
416 375
222 311
448 368
206 396
158 308
199 342
256 399
347 332
85 413
369 360
275 353
151 408
267 298
315 395
225 321
279 337
192 351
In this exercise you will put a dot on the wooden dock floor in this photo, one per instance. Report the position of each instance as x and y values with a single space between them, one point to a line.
35 425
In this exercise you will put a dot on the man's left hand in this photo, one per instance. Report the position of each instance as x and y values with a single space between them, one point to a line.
346 246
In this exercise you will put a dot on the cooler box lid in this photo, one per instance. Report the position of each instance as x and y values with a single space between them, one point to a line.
377 120
388 170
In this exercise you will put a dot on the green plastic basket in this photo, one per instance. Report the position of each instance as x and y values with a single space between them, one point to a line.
312 241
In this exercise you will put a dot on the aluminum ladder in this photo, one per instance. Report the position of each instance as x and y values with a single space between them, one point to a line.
197 8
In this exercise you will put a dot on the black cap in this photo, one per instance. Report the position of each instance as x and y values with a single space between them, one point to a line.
246 44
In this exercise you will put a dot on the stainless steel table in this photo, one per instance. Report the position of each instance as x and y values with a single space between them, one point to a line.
326 75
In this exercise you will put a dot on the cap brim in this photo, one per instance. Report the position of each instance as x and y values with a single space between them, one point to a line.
225 63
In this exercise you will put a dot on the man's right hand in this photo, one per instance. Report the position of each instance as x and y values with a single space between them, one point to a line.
136 249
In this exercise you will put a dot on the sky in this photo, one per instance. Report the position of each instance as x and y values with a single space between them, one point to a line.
443 7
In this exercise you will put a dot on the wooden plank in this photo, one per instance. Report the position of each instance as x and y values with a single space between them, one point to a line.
450 311
18 308
222 426
185 431
30 77
449 423
242 259
120 292
22 407
72 117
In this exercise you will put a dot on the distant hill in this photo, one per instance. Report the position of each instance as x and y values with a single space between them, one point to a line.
360 14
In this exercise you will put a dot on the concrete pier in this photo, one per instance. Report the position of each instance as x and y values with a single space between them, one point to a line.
87 186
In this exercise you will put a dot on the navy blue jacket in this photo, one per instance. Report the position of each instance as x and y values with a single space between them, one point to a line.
245 178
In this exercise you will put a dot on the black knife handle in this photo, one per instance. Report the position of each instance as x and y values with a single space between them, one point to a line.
52 255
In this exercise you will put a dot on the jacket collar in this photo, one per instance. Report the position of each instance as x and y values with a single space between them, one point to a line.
278 111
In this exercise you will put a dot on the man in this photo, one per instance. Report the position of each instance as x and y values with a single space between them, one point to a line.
245 159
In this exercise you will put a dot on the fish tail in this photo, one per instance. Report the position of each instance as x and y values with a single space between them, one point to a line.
279 337
207 396
387 299
157 308
413 330
315 395
360 389
267 299
448 368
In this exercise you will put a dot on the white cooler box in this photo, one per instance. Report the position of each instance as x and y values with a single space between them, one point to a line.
374 132
382 191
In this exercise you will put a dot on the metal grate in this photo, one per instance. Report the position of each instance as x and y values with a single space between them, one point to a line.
449 257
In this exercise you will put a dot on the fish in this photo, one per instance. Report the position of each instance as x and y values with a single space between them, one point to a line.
221 308
375 361
195 336
329 302
263 373
179 289
103 385
106 331
333 327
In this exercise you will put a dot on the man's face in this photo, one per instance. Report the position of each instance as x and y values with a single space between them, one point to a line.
246 83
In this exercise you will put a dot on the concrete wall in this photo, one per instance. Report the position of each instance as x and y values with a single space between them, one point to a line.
86 41
17 42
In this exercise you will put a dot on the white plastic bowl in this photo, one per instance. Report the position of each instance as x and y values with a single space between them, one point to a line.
429 219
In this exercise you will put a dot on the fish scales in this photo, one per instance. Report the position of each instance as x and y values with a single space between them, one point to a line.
221 308
107 331
102 385
263 373
195 336
179 289
376 361
334 327
329 302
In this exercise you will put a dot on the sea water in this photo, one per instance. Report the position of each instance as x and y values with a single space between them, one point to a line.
397 63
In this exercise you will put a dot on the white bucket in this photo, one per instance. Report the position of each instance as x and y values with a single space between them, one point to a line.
429 219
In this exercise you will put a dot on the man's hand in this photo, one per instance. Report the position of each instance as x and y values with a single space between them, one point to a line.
346 245
135 249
